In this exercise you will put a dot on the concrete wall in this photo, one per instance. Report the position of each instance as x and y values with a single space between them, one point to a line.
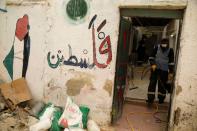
185 102
51 33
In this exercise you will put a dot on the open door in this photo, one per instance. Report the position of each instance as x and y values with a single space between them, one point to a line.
121 68
136 23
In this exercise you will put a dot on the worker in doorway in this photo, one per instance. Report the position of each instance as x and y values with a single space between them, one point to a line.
141 50
162 63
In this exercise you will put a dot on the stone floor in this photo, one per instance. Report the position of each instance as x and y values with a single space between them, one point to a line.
141 118
137 116
136 87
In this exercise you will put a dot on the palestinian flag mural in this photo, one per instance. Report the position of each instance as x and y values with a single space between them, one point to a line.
22 33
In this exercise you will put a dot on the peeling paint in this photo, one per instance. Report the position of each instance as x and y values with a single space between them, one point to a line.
52 86
177 116
108 87
190 104
185 116
47 23
178 90
81 74
74 85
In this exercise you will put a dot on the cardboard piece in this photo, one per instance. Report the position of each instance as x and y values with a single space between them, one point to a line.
16 91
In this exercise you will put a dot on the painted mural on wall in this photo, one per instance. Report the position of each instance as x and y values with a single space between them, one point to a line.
22 33
71 61
3 10
76 10
104 49
105 45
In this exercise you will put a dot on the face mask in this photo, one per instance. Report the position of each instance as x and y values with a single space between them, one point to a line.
164 45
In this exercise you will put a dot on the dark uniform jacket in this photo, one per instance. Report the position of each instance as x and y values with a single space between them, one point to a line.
161 58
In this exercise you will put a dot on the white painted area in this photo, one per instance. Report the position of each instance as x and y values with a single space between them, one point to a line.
186 100
37 36
3 72
2 4
80 37
51 32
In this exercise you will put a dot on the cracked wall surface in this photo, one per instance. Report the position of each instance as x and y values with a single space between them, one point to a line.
186 98
51 30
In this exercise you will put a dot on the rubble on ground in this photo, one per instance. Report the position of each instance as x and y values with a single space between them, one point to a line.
19 112
18 120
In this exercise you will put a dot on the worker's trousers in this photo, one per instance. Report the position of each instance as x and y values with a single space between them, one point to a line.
161 77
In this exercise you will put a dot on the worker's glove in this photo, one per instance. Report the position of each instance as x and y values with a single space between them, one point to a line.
153 67
170 78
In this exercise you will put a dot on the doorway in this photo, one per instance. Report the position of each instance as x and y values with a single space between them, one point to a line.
141 30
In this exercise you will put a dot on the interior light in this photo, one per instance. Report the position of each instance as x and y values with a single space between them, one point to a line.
171 35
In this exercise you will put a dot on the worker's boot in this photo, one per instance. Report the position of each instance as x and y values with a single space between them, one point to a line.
161 101
149 102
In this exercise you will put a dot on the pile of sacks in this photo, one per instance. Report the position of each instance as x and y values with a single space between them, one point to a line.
53 118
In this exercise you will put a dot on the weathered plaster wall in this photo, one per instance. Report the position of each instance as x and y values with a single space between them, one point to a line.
37 35
51 34
185 102
91 87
